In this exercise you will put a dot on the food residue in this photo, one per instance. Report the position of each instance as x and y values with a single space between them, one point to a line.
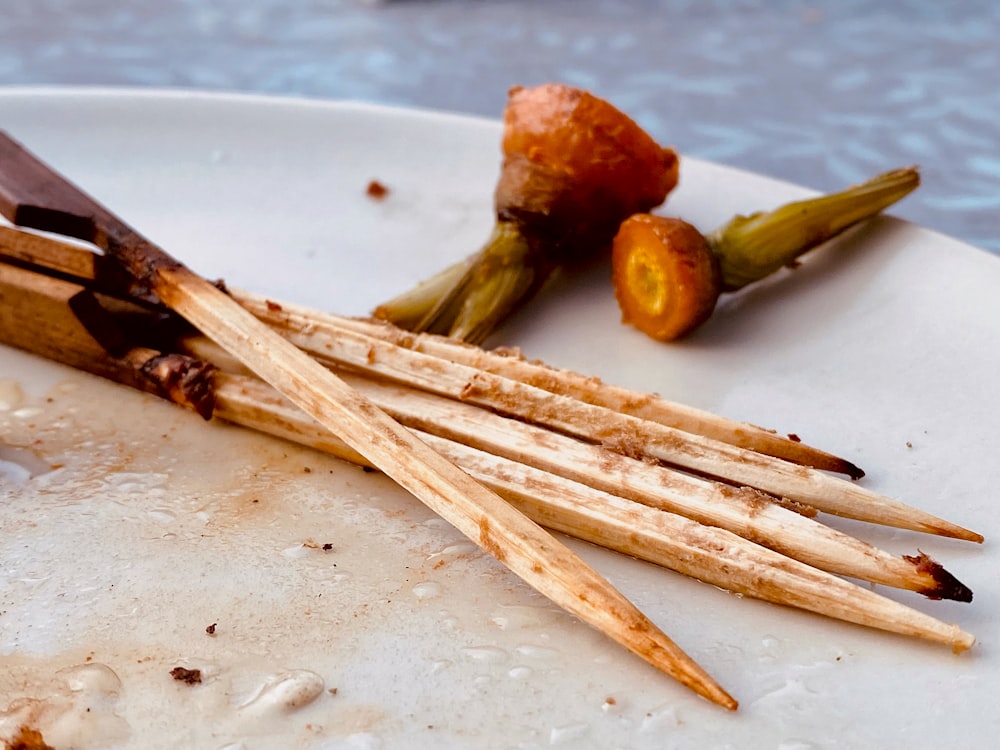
27 739
187 676
376 190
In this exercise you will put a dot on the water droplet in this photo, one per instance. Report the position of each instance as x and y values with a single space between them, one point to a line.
796 744
490 654
448 621
537 652
296 551
284 692
427 590
18 465
568 733
162 515
11 395
94 679
660 719
440 666
454 552
436 522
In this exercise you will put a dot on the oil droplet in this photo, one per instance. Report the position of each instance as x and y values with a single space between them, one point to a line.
427 590
520 673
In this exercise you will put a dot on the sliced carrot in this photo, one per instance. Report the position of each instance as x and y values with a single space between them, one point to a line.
665 275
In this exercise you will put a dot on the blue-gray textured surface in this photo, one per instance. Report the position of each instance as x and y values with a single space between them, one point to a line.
820 93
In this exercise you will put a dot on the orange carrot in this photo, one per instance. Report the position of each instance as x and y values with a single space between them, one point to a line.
573 169
668 276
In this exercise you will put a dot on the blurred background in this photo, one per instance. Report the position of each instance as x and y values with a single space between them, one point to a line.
821 93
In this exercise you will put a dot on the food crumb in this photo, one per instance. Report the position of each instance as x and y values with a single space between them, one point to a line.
332 691
794 438
211 628
187 676
273 306
909 444
327 547
376 190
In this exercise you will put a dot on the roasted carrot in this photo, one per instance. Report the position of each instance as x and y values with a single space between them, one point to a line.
668 276
574 167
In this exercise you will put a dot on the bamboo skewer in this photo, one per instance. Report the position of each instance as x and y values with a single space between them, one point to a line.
32 195
739 510
598 424
511 364
547 397
710 554
79 263
742 511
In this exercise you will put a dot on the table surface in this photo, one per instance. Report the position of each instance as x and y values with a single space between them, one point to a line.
822 93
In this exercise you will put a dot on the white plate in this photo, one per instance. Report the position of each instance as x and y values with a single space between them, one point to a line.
151 525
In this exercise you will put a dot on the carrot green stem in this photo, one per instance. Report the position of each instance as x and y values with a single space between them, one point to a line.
410 308
469 299
752 247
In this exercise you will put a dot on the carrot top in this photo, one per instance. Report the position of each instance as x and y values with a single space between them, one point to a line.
574 167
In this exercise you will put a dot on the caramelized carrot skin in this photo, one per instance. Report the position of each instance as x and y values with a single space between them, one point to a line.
665 275
574 167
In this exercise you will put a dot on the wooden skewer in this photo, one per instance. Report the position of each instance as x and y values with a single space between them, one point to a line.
32 195
741 511
48 325
81 264
741 466
707 553
445 367
512 364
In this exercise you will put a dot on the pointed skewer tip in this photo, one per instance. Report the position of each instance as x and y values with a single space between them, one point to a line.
946 586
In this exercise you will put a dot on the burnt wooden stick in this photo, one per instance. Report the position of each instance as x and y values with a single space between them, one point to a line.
33 195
